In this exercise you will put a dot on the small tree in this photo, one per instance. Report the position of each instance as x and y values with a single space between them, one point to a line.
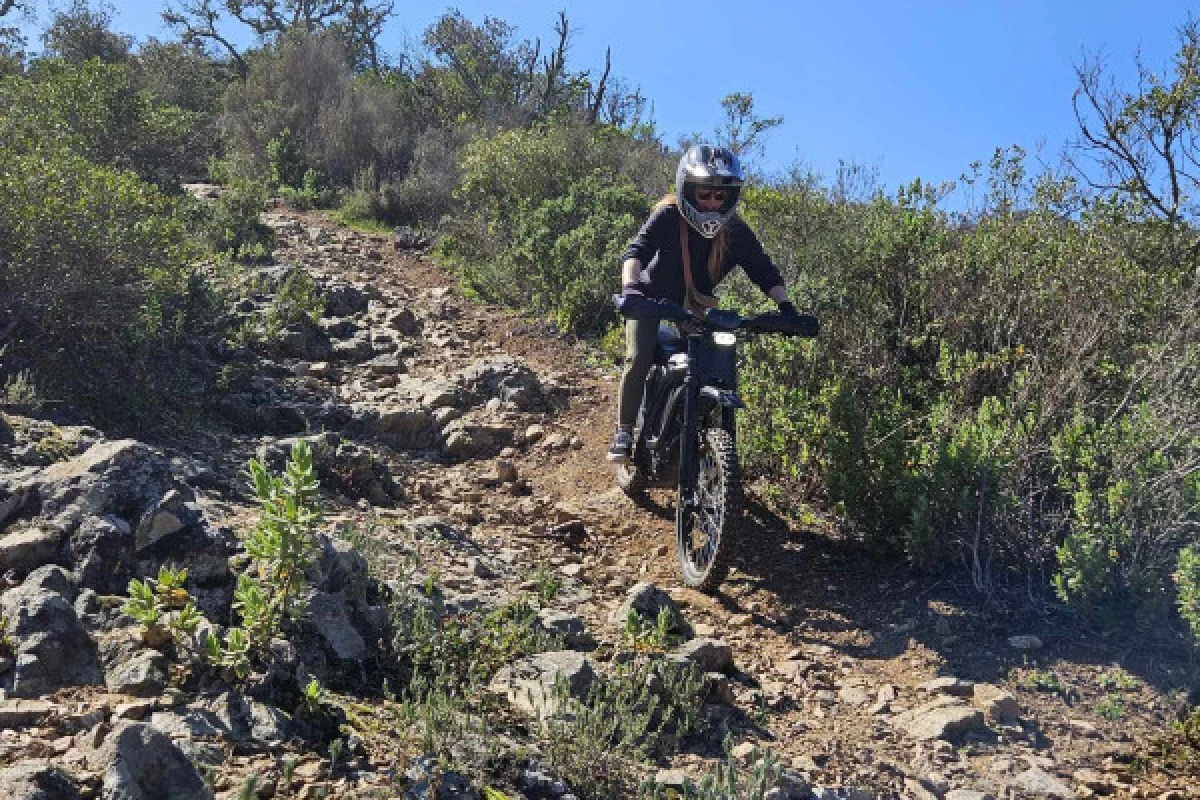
742 130
81 32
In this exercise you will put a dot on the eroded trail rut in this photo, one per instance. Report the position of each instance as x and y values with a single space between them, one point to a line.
467 445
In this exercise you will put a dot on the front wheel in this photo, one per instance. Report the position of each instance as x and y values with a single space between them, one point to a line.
702 528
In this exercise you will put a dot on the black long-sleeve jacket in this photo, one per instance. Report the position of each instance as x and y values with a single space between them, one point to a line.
657 246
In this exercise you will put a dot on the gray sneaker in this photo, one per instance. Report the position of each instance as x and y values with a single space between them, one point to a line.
622 445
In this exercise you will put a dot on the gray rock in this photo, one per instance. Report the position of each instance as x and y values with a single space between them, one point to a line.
567 625
999 705
401 427
674 779
144 674
30 547
328 616
339 569
36 780
51 578
842 793
504 377
53 649
710 655
188 723
531 683
21 713
465 440
108 476
427 781
968 794
915 789
404 321
101 550
939 720
171 514
344 299
1025 642
1040 783
140 763
356 349
647 600
384 365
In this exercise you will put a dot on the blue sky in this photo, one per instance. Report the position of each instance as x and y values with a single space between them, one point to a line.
916 89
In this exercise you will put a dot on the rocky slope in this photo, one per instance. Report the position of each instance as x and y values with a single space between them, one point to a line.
459 449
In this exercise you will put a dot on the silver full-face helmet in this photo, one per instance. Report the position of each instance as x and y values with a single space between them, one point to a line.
705 167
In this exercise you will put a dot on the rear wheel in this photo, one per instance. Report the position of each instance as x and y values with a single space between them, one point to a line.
702 529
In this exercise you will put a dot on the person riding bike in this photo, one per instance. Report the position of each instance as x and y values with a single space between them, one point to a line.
697 224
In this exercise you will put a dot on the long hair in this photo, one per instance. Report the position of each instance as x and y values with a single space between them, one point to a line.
720 245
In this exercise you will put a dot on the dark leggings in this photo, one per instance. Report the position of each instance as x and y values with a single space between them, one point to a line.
641 336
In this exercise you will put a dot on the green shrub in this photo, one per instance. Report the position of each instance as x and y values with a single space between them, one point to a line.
546 237
1187 586
95 112
231 224
97 272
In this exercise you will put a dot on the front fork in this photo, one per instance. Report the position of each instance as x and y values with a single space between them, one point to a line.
688 468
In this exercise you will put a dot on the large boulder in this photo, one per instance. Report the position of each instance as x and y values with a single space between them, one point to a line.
101 552
36 780
52 647
531 684
27 547
945 718
141 763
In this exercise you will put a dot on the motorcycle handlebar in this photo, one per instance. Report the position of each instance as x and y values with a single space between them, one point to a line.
636 306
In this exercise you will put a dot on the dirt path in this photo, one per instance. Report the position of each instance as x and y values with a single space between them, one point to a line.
830 642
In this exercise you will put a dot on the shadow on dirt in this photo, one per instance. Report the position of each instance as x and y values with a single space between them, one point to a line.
838 592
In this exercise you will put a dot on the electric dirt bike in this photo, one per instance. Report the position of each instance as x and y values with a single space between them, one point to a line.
686 433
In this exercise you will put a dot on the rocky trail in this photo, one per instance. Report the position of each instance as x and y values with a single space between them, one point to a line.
460 449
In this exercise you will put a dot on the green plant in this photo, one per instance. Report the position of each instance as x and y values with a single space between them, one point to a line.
1187 587
336 748
464 651
249 787
312 695
547 582
640 634
727 780
163 606
638 711
1110 707
20 389
289 768
1039 680
1115 678
53 447
281 545
7 645
298 300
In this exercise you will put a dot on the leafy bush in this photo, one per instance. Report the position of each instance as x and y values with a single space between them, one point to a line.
95 264
231 224
1004 392
95 111
1187 583
302 95
546 238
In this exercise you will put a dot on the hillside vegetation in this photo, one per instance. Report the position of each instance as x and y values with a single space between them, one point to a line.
1008 394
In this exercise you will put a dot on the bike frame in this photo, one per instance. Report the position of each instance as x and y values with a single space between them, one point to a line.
709 383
